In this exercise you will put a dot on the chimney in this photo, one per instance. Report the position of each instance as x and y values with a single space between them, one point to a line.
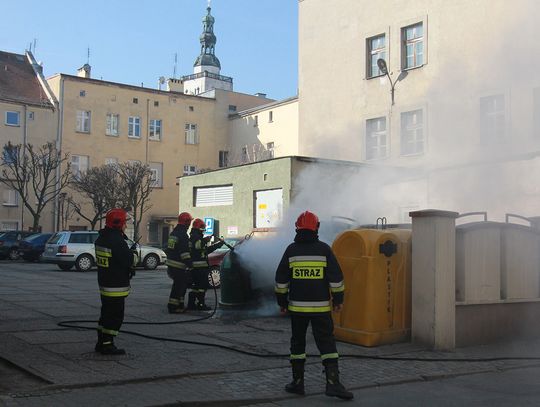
84 71
175 85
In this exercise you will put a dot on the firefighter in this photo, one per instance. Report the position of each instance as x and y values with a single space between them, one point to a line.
179 263
306 276
199 254
115 263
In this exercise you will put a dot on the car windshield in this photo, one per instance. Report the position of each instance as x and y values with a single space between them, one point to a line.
32 237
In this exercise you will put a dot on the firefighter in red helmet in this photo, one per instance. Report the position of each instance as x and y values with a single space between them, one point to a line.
199 254
179 262
115 262
309 284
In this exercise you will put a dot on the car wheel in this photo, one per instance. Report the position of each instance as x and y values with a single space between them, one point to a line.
214 277
14 254
65 267
150 262
84 262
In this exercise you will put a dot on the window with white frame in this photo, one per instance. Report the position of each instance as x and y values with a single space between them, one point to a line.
412 132
79 165
134 127
376 49
155 129
111 161
112 124
13 119
191 134
157 174
492 118
270 149
11 197
223 159
214 196
412 38
9 225
190 169
83 121
376 138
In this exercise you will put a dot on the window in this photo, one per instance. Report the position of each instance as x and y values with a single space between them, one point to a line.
191 109
134 127
157 174
191 134
376 49
10 154
214 196
223 159
83 121
30 115
11 198
111 161
156 103
112 124
136 100
232 108
190 169
492 118
412 132
79 165
83 237
270 149
153 232
155 130
256 121
413 46
13 118
376 138
9 225
82 93
270 116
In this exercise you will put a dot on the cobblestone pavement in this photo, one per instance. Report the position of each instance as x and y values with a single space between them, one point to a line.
47 365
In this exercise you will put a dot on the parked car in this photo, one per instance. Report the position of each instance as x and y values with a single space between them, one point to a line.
67 249
31 247
216 257
9 243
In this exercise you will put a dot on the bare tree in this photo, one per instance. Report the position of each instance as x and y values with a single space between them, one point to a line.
137 182
65 210
101 185
32 173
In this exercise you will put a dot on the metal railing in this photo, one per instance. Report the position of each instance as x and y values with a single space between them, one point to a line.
206 74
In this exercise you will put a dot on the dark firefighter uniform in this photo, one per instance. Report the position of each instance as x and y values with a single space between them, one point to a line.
201 269
309 283
115 263
178 265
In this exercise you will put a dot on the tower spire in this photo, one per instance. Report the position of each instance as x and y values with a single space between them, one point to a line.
208 42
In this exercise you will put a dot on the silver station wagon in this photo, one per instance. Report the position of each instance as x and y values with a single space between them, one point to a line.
67 249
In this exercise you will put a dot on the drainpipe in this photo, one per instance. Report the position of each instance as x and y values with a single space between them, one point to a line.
59 130
147 128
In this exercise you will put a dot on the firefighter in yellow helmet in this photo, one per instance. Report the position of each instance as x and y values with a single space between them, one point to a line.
115 264
200 249
309 284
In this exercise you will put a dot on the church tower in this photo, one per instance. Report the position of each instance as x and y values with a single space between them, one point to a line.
206 69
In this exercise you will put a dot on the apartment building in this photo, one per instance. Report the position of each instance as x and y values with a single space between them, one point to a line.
28 115
449 87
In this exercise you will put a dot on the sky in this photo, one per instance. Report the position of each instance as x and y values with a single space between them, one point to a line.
135 42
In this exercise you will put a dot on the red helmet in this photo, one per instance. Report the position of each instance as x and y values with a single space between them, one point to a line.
116 218
185 219
307 220
199 224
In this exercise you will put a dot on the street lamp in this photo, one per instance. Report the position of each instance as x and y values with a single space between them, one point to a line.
381 63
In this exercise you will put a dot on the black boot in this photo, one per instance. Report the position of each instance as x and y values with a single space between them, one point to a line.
99 343
191 300
333 387
108 347
201 306
297 384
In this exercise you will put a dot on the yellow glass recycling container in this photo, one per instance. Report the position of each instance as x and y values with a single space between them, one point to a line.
376 266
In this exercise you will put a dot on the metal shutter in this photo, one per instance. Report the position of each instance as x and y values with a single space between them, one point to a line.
214 196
